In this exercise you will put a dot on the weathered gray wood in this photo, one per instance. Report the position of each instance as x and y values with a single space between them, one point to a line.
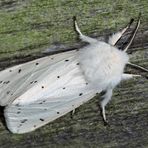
29 27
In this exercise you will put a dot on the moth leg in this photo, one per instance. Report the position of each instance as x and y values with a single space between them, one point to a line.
129 76
106 98
81 36
72 113
137 67
113 39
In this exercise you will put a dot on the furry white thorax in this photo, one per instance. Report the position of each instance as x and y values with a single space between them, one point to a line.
102 64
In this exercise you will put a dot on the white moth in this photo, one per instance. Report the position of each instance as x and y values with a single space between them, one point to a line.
38 92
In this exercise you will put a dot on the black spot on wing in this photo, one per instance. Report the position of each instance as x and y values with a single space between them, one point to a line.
58 77
19 71
23 121
1 82
41 119
18 105
80 94
58 112
8 92
78 64
42 87
37 63
66 60
10 70
33 82
64 87
19 125
42 102
6 82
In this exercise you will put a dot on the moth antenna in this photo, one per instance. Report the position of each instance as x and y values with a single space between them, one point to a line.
137 66
131 38
76 28
114 39
79 33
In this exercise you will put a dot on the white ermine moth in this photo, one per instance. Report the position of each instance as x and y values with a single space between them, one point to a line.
40 91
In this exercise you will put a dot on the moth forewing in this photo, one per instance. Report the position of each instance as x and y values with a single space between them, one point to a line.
17 80
26 118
